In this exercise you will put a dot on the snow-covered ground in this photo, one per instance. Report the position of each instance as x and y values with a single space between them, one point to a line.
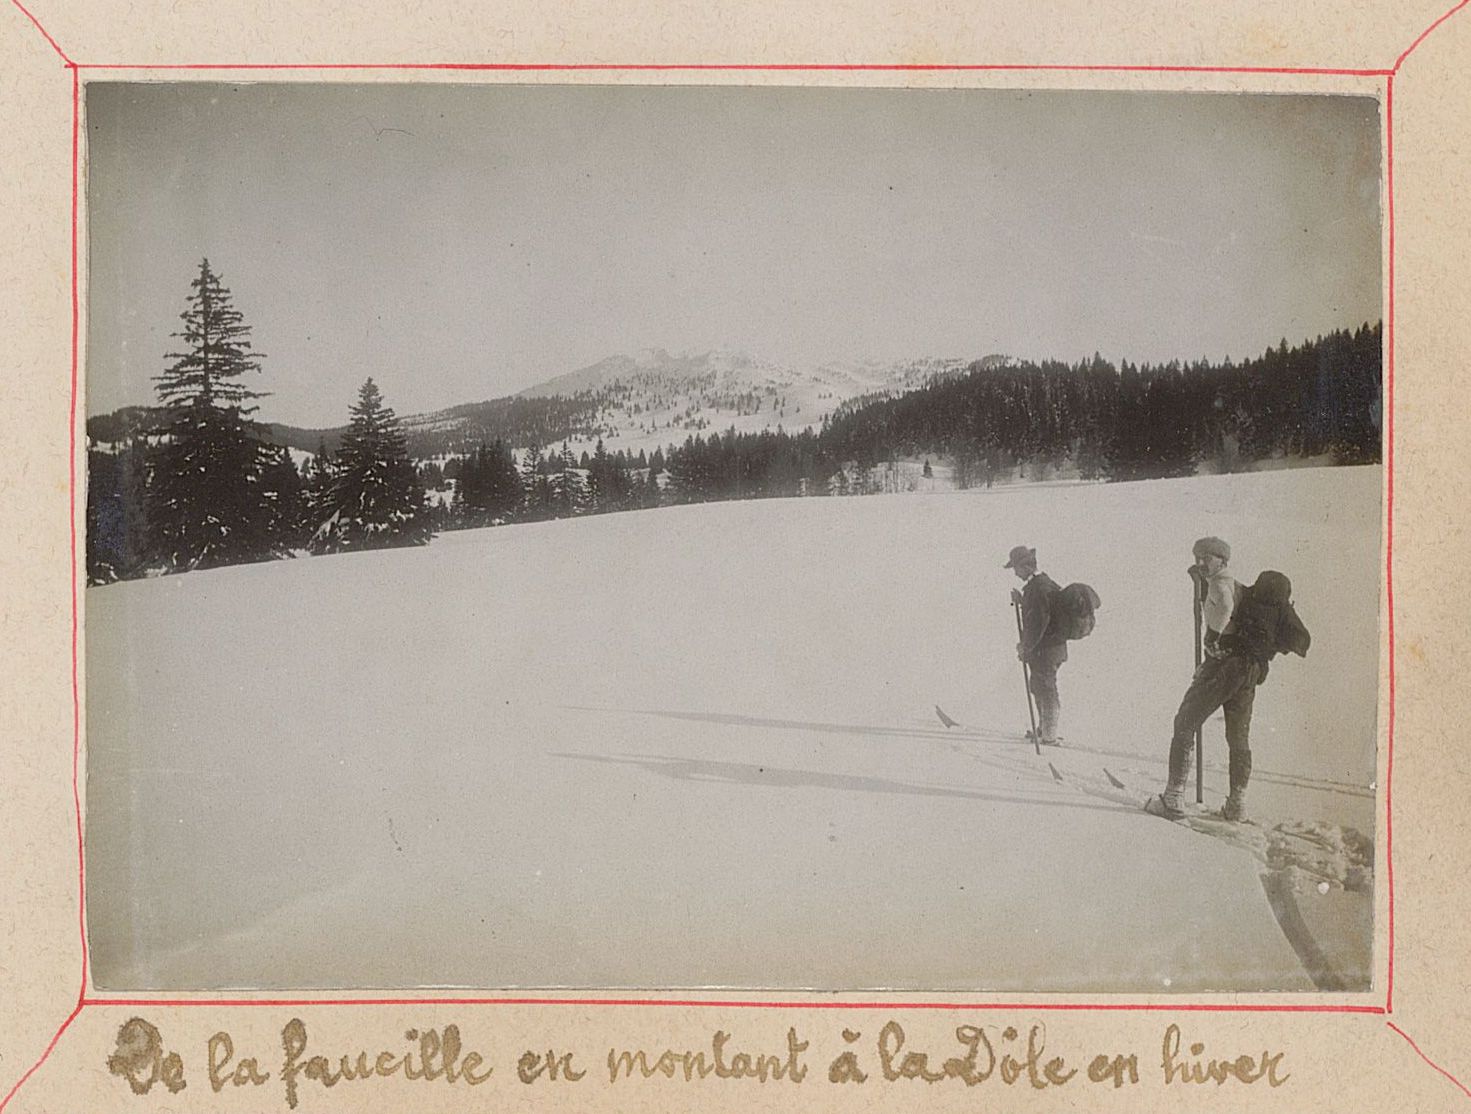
697 746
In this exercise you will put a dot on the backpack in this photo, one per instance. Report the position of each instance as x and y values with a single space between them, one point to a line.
1265 623
1072 611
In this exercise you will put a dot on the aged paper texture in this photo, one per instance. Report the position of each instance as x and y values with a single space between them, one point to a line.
124 987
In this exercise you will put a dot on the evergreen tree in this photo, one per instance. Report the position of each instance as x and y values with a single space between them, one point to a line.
206 502
504 481
106 521
319 473
375 498
536 489
285 494
608 485
488 487
568 488
117 513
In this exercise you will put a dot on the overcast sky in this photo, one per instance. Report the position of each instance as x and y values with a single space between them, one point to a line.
459 243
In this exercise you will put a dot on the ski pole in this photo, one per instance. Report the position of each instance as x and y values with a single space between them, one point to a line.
1197 594
1027 681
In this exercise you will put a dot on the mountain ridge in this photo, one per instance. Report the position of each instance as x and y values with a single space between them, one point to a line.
646 400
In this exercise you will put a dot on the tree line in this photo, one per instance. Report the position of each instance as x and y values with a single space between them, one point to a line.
198 483
1319 399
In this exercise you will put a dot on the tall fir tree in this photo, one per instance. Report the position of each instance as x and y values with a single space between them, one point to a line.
503 481
319 473
376 498
285 493
536 486
568 488
488 487
206 502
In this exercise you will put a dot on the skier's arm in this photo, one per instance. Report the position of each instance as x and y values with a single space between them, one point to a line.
1220 601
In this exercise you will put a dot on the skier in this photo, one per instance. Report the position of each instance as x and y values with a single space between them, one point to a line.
1042 648
1218 593
1264 624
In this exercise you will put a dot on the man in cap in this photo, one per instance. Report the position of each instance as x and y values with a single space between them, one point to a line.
1222 590
1042 647
1221 682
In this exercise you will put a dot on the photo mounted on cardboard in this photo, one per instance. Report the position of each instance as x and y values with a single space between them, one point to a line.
621 537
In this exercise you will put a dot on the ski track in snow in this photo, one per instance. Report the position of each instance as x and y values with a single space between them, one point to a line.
1304 852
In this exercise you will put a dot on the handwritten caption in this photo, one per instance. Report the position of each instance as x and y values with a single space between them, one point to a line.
1004 1055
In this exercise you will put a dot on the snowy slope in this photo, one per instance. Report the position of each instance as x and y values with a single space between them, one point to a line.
697 746
655 399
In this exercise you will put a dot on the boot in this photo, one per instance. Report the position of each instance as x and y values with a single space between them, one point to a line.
1047 728
1171 802
1235 807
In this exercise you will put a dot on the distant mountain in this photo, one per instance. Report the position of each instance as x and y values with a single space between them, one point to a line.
655 398
645 401
655 369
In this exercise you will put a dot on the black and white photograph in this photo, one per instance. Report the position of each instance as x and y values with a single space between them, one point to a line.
771 538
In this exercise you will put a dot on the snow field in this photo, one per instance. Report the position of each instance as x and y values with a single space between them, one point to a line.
696 747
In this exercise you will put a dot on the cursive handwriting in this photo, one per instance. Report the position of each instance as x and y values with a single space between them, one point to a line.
623 1063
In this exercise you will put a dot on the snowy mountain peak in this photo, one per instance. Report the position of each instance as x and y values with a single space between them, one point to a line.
654 397
656 365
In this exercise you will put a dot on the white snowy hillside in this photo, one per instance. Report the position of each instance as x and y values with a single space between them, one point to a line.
655 399
697 747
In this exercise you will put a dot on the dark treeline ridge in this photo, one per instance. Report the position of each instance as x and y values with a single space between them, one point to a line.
1320 399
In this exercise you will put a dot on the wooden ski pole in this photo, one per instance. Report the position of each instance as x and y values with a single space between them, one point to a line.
1026 679
1197 596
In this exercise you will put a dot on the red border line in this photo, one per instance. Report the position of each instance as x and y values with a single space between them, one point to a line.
1400 61
47 36
72 472
72 506
84 1001
513 68
1428 1060
1389 535
1052 1007
745 1004
521 67
21 1082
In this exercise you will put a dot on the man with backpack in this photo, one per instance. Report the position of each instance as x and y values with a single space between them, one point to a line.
1262 624
1043 645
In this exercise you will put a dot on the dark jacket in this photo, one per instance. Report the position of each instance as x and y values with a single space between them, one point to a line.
1039 634
1265 623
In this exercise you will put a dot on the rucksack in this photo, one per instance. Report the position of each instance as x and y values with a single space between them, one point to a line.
1072 611
1265 623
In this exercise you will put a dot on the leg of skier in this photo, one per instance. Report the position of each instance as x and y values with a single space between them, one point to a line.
1215 682
1049 703
1238 740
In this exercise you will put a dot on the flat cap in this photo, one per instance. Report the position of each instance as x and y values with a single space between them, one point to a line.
1020 554
1212 547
